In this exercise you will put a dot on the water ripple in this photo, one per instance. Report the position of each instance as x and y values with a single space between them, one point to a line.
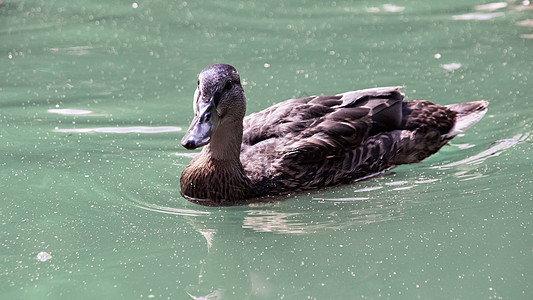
491 6
132 129
171 210
386 7
495 150
75 50
478 16
342 199
69 111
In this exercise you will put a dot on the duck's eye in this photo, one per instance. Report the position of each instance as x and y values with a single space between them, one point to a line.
228 85
198 82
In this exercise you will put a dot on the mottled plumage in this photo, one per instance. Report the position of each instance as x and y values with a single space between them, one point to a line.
307 143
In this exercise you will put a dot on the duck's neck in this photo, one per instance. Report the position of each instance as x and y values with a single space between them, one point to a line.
216 174
225 144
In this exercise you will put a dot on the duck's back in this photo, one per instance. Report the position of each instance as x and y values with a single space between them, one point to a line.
321 141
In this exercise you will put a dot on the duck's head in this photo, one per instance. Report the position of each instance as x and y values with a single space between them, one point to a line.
218 100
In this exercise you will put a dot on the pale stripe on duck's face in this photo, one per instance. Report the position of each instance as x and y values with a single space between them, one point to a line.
219 94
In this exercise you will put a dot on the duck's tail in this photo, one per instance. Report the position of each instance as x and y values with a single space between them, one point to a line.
427 127
468 114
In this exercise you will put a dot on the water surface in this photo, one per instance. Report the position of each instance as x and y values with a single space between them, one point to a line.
95 96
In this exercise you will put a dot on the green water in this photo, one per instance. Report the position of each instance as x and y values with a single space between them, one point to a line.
95 96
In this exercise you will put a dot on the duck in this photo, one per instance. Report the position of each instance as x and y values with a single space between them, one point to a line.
307 143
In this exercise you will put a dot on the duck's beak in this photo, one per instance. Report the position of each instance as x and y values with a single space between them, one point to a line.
202 126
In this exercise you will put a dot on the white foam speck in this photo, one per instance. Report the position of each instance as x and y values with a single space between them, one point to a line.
392 8
386 7
44 256
451 67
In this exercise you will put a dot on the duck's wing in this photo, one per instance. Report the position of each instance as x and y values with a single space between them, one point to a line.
311 129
